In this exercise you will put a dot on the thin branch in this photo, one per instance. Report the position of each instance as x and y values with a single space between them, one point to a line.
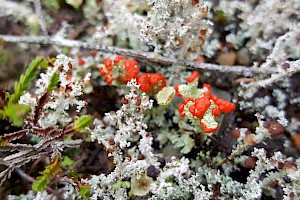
30 179
68 144
3 162
15 135
49 144
38 108
35 164
217 141
252 87
140 55
15 161
41 20
38 11
5 174
16 147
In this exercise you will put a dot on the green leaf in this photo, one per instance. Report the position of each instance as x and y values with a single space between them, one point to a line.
82 122
122 184
67 161
3 142
85 192
26 79
52 4
40 183
16 113
2 114
53 82
74 3
46 175
73 174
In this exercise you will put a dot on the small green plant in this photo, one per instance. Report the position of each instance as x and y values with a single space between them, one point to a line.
50 172
14 111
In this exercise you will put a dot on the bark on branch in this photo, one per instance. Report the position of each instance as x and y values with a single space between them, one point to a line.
139 55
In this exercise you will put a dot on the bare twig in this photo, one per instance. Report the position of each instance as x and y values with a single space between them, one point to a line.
40 15
217 141
24 175
140 55
16 147
50 144
252 87
35 163
15 135
69 144
28 178
5 174
38 11
3 162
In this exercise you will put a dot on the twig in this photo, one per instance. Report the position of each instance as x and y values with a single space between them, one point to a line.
252 87
35 163
38 11
41 21
28 178
15 135
16 147
140 55
216 141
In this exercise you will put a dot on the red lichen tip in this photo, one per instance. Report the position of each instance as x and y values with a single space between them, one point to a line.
207 86
119 59
216 112
208 130
181 109
81 62
193 76
144 82
186 100
201 106
225 106
148 81
177 91
108 64
131 70
132 64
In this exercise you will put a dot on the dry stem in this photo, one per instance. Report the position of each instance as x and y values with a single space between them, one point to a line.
139 55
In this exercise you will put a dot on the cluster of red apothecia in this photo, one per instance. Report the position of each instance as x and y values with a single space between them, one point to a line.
150 82
199 106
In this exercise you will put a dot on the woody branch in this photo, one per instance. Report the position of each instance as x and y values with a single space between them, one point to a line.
140 55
